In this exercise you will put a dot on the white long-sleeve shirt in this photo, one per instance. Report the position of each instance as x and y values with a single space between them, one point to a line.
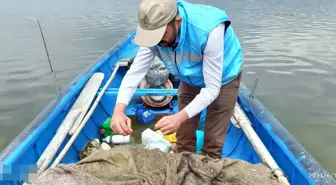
213 58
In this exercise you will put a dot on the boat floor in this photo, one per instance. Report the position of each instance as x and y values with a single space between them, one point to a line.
236 145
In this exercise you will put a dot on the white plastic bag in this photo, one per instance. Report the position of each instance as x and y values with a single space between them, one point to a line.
153 140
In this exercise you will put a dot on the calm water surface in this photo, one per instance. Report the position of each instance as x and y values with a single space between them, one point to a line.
290 45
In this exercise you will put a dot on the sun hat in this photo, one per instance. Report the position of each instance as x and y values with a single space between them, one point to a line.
153 17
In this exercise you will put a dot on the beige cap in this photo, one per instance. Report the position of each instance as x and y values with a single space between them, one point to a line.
153 17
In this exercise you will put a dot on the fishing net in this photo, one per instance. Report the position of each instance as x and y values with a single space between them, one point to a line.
123 165
157 74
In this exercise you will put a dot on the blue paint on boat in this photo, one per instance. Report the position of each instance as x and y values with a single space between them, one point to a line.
20 156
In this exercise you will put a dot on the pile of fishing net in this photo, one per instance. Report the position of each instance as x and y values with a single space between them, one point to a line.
123 165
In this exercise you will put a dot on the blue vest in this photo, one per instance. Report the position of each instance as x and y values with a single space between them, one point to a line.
185 61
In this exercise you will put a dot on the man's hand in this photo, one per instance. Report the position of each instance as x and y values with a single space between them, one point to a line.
120 123
170 124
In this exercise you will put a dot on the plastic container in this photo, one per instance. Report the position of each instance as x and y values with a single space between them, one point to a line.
201 123
160 146
199 140
118 139
106 129
171 138
144 116
152 140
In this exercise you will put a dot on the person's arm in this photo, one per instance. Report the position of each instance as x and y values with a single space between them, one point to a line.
213 60
120 123
133 77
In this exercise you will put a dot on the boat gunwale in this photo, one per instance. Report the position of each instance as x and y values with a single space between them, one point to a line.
31 132
259 111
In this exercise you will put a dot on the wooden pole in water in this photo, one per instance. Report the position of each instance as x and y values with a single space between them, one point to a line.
86 118
257 144
52 71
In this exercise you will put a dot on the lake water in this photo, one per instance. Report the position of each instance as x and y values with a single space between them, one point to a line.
290 45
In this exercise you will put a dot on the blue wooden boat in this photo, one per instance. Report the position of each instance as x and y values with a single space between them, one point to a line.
20 156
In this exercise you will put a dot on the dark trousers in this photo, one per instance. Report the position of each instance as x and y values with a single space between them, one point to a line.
218 117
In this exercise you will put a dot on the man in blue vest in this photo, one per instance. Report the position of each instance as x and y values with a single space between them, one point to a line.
197 44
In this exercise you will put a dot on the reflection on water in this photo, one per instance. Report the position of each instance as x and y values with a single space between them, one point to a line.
290 45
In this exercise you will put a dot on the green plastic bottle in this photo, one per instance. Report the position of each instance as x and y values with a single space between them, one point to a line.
106 129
